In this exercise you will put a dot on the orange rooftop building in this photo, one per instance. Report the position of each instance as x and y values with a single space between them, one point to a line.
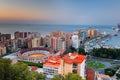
70 63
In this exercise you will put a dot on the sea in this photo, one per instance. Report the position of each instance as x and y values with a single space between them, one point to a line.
46 29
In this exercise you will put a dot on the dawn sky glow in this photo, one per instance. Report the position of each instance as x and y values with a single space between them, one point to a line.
61 11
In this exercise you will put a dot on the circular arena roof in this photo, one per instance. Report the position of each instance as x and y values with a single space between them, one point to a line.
34 54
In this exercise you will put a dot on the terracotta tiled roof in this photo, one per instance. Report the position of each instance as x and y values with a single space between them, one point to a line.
53 61
74 58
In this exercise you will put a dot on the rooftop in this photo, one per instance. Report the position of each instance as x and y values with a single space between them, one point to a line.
74 58
54 61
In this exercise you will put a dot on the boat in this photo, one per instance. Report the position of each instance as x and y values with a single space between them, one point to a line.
107 40
115 35
118 29
113 28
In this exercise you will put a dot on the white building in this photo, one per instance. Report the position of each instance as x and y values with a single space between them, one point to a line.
75 41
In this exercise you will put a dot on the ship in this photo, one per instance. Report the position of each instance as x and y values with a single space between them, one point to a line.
118 28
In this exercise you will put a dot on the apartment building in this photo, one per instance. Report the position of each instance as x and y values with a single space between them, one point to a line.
70 63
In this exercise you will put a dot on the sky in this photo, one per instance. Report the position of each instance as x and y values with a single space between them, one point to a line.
101 12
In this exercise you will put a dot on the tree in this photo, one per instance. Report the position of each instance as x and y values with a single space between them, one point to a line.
110 53
118 75
5 69
69 76
18 71
1 71
72 49
109 72
81 51
37 76
58 77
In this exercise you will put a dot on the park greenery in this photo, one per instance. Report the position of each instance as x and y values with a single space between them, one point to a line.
69 76
110 53
95 64
40 65
18 71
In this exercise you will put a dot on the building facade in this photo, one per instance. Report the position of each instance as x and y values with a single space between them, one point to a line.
4 37
2 50
92 33
70 63
37 42
75 41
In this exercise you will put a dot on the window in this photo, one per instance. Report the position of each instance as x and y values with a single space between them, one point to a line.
74 71
75 65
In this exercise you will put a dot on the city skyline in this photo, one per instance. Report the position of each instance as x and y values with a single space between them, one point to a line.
97 12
